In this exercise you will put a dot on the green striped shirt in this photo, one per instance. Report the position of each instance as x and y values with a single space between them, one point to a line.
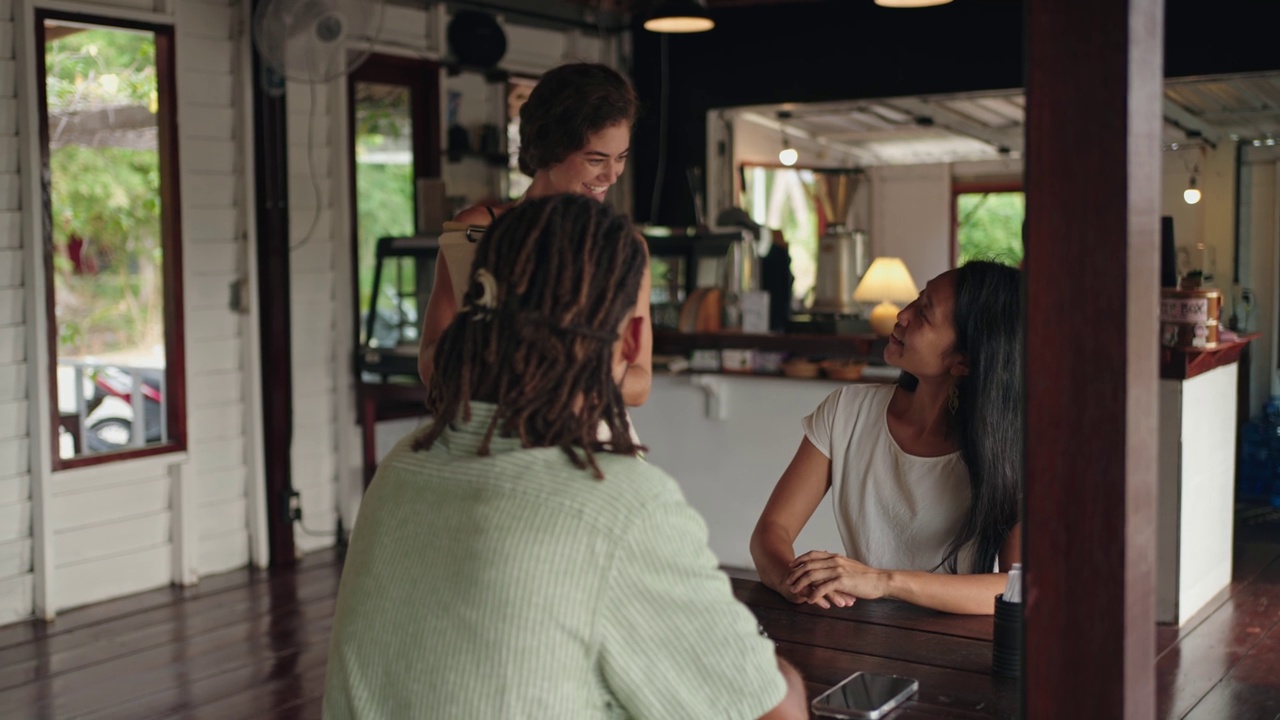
518 586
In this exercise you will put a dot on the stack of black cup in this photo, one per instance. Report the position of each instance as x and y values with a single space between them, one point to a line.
1006 652
1006 646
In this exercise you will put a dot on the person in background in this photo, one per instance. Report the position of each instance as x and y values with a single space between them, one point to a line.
775 264
925 475
510 563
575 137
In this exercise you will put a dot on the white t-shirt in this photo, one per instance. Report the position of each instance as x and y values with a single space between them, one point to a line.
894 511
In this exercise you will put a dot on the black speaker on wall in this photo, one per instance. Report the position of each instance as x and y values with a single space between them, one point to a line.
475 38
1168 256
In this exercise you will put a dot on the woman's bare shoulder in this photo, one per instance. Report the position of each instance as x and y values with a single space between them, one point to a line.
476 215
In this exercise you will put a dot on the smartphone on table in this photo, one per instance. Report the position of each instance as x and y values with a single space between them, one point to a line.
864 696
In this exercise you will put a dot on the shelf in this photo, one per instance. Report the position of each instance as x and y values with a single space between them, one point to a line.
671 342
492 159
1186 363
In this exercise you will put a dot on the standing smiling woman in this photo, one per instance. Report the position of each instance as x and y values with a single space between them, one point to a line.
575 136
925 475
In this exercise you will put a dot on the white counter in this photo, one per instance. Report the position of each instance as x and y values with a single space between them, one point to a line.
727 467
1197 491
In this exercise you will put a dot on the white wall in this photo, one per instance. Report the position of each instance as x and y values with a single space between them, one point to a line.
911 217
1261 229
17 581
222 420
88 534
1212 220
314 305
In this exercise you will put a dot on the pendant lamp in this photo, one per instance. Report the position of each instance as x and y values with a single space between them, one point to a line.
679 16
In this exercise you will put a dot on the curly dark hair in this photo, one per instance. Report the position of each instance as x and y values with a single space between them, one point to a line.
566 107
538 341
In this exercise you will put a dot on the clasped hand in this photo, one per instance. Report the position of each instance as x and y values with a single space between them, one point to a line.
825 579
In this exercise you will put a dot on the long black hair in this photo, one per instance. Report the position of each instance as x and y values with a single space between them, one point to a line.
988 419
553 279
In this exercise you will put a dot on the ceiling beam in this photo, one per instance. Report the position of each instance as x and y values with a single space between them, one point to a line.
957 123
1243 117
1189 122
765 121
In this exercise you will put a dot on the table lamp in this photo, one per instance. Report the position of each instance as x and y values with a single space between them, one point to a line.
887 281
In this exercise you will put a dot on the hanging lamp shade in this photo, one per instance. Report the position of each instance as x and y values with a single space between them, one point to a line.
679 16
910 3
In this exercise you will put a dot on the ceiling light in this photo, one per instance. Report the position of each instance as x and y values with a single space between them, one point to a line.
1192 193
787 155
910 3
679 16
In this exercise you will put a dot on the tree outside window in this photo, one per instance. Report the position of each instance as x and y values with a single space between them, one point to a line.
989 226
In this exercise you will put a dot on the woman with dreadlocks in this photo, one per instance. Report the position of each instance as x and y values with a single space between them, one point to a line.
575 137
509 562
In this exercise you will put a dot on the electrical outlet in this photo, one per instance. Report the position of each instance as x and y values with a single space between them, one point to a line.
293 505
238 291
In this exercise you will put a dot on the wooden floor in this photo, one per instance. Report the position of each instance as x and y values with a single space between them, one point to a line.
253 645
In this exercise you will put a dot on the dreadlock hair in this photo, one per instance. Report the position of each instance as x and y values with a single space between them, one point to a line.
563 272
988 419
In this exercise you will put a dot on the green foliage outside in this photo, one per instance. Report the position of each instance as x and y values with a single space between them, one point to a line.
99 68
384 190
384 209
989 226
797 218
105 199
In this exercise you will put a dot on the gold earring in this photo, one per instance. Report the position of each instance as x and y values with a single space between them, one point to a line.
953 399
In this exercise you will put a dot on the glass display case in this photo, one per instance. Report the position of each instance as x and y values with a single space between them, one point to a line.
390 329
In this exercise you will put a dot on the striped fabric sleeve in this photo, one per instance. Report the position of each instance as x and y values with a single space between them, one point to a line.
674 640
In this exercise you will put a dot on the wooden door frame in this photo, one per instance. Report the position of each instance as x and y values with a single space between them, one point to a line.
271 217
423 80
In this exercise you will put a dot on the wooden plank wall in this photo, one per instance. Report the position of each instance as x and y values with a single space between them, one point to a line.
212 170
118 528
314 307
16 578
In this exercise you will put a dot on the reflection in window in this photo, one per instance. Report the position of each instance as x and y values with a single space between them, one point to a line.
518 90
783 198
108 122
989 226
384 183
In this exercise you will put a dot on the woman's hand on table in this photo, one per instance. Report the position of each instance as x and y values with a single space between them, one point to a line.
825 579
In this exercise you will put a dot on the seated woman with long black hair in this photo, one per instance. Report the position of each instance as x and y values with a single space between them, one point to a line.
925 475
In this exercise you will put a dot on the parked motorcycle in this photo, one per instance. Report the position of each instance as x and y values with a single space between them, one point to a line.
110 415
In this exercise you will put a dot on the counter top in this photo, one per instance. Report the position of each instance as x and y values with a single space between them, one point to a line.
671 342
1186 363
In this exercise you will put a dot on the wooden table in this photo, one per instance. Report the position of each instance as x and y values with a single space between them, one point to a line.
950 655
1222 664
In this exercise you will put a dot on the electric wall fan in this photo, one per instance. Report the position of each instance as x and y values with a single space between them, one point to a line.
316 40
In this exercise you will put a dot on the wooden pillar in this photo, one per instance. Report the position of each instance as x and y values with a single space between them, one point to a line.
271 178
1094 87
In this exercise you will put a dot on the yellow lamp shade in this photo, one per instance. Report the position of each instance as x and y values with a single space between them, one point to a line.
887 282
